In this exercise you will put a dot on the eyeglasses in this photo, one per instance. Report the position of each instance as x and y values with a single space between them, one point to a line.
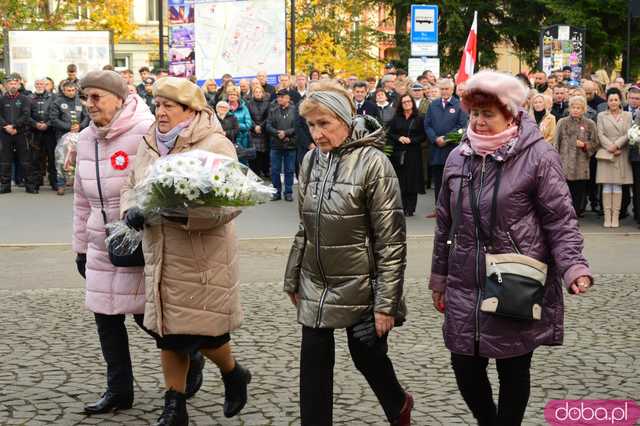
95 98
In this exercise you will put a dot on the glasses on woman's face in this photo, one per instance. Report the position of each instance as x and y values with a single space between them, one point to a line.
95 98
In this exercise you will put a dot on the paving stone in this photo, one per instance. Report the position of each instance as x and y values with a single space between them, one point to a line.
52 365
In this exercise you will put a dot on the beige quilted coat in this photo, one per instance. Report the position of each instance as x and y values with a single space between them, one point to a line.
191 271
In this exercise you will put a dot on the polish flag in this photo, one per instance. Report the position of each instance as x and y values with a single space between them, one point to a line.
468 61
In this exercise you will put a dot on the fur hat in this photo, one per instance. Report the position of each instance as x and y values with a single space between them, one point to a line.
508 89
182 91
110 81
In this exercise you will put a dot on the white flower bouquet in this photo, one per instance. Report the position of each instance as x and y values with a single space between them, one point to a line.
200 181
634 135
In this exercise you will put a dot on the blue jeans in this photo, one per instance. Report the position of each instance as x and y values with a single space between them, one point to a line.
278 157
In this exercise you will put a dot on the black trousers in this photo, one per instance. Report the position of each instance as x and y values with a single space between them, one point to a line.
578 189
436 179
626 199
474 385
114 342
317 358
409 202
635 166
40 155
17 146
592 189
261 164
50 149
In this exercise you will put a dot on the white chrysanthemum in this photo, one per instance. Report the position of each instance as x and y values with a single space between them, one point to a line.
182 186
165 180
192 194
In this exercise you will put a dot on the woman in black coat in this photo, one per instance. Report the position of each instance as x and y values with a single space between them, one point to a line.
406 134
259 109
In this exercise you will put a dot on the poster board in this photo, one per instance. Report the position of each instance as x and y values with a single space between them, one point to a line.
209 38
562 45
418 65
37 54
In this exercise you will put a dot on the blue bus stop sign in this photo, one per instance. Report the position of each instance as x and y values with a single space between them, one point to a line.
424 23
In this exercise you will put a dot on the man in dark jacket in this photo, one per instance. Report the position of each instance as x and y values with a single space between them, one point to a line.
560 107
262 78
72 77
281 128
14 126
67 114
43 137
145 73
363 106
147 94
444 115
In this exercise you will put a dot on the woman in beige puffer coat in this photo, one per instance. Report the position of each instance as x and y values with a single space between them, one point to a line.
191 263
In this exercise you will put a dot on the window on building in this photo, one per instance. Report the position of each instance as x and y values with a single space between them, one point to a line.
152 9
121 62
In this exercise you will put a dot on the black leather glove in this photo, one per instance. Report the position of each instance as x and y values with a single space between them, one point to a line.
365 331
134 218
81 264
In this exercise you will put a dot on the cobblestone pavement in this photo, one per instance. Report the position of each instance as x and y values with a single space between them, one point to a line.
50 361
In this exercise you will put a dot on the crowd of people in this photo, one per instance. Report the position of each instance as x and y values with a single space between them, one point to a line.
585 121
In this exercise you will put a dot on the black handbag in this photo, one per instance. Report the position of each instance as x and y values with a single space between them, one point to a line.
248 153
127 260
514 283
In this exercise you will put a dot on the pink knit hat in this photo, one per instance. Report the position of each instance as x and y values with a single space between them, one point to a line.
508 89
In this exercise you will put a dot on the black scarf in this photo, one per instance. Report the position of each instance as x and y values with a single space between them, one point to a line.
539 115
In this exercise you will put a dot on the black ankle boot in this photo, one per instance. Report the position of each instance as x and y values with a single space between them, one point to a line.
194 375
235 390
110 401
175 410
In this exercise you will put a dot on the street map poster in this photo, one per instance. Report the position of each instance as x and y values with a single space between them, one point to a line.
37 54
240 38
562 45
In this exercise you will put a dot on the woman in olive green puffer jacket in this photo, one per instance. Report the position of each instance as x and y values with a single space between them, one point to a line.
347 262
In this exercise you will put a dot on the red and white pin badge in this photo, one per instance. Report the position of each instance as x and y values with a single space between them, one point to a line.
119 160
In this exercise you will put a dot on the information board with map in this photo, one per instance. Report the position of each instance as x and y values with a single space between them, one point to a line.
240 38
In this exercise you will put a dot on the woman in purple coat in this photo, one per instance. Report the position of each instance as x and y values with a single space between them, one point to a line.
533 215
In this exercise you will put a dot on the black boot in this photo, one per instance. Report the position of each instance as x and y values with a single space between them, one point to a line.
175 410
235 390
110 402
194 376
5 189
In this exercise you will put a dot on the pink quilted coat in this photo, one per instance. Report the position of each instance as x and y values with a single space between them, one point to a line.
110 290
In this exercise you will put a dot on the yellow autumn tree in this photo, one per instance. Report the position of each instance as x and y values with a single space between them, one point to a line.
114 15
329 37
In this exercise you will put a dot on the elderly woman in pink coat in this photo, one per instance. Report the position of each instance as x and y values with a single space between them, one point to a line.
119 120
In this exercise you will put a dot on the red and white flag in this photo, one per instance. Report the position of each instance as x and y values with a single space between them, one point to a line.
468 61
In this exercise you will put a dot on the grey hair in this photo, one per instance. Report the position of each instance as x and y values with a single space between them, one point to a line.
445 82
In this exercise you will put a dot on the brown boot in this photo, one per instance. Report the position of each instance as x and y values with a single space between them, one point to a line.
616 202
606 208
60 190
405 414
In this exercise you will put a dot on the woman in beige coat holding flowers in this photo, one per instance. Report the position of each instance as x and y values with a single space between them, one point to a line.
191 271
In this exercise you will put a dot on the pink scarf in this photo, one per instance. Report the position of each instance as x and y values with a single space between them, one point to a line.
484 145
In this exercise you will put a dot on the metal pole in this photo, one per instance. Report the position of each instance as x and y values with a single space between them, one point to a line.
160 7
628 67
293 37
